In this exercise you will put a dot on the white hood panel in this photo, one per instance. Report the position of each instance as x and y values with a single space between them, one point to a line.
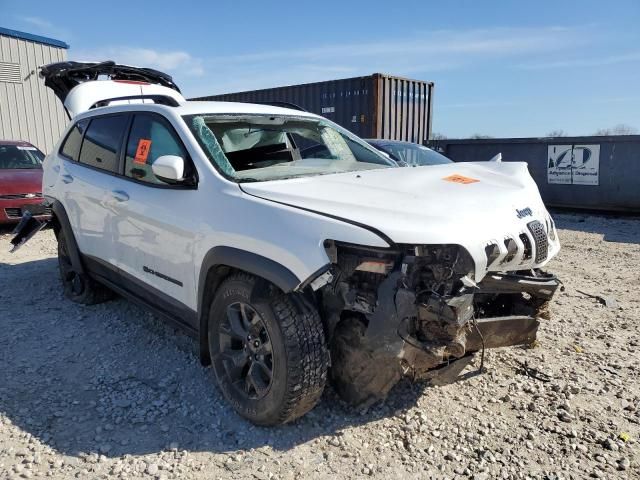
419 206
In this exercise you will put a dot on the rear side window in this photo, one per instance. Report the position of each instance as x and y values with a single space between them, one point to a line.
71 146
102 142
151 137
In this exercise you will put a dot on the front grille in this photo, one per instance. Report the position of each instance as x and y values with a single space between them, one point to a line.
13 212
36 210
20 196
540 238
512 248
524 238
492 251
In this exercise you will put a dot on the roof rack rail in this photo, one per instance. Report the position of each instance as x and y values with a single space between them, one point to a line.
290 105
159 99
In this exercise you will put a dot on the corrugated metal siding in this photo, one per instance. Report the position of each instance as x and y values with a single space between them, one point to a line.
28 110
374 106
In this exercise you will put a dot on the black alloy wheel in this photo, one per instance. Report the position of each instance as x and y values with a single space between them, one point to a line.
267 349
246 351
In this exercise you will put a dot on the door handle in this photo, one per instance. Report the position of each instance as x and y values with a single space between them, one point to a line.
119 195
66 178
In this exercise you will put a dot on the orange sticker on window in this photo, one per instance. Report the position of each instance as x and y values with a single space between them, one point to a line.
142 152
455 178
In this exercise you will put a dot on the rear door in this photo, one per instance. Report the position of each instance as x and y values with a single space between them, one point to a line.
90 160
156 224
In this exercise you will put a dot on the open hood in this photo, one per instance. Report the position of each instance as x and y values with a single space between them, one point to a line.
79 85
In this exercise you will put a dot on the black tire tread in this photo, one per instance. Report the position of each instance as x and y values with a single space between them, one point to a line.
308 355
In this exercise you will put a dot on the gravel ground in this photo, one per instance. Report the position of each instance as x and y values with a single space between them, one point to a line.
111 391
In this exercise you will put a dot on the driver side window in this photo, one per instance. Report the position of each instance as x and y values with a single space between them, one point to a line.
150 138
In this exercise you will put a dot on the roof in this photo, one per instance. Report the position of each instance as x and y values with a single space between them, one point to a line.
30 37
194 107
203 108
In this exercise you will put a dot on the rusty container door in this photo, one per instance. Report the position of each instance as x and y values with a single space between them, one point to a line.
404 109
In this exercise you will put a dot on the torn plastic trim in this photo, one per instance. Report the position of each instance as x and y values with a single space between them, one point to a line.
25 230
62 77
317 279
541 285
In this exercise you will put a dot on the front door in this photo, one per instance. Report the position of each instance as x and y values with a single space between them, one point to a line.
155 221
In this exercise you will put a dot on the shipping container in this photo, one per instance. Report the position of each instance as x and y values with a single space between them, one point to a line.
594 173
375 106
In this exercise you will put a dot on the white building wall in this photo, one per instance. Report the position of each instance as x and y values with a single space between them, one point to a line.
28 110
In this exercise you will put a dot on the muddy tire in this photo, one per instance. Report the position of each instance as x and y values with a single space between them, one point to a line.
268 350
360 376
78 287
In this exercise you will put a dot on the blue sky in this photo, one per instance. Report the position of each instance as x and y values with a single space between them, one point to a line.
501 68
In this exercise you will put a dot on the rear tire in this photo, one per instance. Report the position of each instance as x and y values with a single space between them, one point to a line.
268 350
78 287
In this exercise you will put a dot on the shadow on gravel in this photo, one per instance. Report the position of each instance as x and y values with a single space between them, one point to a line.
613 228
112 379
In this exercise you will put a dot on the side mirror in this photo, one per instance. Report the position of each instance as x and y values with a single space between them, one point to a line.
169 168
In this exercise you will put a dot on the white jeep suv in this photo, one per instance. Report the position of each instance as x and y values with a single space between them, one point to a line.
281 261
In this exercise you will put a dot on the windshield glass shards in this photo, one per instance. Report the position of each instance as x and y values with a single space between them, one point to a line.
255 148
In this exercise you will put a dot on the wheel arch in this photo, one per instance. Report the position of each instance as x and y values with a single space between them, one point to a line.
218 264
60 221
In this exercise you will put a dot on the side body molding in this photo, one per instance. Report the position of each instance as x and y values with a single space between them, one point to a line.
210 277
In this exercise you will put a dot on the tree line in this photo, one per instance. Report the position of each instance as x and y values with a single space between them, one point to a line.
620 129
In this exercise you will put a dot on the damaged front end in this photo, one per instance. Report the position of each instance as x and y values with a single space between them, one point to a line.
413 310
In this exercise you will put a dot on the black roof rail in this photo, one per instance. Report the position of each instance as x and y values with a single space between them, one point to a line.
290 105
159 99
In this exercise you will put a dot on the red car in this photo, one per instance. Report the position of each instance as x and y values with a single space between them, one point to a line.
20 181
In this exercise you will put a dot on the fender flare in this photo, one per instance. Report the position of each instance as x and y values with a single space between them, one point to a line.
253 263
65 226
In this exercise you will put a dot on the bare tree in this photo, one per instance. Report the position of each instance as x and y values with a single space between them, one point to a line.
438 136
479 136
620 129
557 133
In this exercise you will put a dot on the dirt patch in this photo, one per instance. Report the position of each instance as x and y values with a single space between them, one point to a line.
89 392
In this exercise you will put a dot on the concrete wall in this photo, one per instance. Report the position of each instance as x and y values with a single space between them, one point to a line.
28 110
601 173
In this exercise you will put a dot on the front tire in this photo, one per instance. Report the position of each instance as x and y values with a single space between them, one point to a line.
268 350
78 287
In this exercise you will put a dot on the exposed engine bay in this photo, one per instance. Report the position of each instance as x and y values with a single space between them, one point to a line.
412 310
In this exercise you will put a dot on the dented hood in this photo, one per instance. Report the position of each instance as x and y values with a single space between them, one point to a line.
462 203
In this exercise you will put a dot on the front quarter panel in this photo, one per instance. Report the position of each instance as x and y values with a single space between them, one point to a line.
290 236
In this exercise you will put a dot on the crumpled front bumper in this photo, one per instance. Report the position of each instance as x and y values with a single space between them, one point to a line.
417 338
